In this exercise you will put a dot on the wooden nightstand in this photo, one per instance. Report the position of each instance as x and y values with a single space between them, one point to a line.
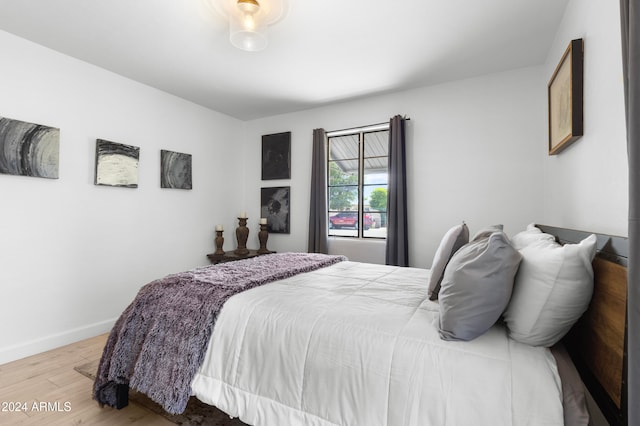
230 256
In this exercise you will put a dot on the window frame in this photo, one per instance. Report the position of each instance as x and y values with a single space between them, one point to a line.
361 132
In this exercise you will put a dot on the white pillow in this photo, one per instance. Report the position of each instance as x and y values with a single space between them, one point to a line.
528 236
455 238
552 290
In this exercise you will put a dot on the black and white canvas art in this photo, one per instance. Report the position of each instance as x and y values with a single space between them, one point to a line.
175 170
116 164
276 156
274 205
29 149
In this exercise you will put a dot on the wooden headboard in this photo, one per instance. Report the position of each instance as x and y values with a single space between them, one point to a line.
597 343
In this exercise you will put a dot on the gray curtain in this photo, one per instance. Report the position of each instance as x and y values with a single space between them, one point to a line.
397 250
318 205
630 27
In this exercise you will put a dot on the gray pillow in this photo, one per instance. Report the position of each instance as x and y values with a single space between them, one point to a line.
485 232
477 286
452 241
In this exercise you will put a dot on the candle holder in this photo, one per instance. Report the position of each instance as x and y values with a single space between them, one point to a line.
263 236
242 233
219 243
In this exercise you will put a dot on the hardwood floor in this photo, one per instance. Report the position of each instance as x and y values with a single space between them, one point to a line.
44 389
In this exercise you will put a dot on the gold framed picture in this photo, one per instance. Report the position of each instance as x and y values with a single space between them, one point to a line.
565 92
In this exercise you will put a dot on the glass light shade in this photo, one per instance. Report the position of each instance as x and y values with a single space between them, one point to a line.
248 31
249 19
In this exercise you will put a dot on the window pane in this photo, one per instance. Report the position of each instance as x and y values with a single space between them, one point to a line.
343 172
375 225
344 223
344 147
375 171
376 178
375 198
376 144
343 198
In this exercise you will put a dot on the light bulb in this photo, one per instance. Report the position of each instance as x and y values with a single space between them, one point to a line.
249 22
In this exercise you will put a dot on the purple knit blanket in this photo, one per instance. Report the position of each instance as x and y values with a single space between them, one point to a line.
159 341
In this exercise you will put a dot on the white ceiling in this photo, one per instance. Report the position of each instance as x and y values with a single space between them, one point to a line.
324 51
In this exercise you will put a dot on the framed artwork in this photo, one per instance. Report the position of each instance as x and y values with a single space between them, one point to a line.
116 164
175 170
28 149
274 205
276 156
565 92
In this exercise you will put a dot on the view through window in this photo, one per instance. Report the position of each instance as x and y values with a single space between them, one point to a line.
357 182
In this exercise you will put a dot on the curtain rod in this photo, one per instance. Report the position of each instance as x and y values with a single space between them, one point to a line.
356 129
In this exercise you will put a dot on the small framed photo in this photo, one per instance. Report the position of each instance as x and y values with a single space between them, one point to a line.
276 156
274 205
565 96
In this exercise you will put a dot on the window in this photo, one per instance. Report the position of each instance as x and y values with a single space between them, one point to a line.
357 182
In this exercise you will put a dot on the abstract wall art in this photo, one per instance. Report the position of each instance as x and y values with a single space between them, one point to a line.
175 170
274 205
116 164
29 149
276 156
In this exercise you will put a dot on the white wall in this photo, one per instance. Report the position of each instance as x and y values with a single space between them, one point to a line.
473 150
477 149
72 254
586 186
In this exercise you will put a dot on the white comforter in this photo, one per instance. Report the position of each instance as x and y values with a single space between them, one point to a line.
357 344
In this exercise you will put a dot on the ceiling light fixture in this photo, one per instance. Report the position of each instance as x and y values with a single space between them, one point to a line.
250 19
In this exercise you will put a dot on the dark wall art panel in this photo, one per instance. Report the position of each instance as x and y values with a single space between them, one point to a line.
274 205
276 156
175 170
29 149
116 164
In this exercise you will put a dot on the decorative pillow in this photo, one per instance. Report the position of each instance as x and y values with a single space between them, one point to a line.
552 290
477 286
455 238
528 236
485 232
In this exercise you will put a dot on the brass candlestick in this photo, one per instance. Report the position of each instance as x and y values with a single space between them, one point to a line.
219 243
263 236
242 233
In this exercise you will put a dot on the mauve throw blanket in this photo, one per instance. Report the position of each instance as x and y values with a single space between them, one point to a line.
159 341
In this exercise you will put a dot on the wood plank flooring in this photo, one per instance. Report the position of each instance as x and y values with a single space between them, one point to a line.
44 389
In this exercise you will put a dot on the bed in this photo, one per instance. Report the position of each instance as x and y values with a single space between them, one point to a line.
351 343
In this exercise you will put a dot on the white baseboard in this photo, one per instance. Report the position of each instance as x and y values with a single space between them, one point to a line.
43 344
